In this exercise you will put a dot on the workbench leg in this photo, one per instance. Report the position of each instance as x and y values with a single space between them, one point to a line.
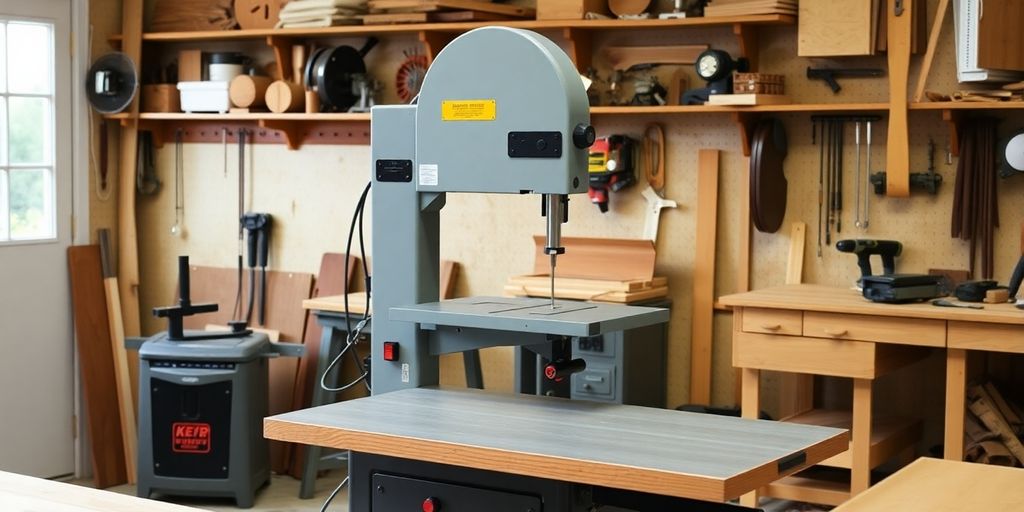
860 471
311 466
956 392
750 409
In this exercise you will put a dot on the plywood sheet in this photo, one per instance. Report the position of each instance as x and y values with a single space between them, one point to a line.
96 363
285 293
836 27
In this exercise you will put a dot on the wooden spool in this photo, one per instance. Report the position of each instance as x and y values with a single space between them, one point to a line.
249 91
625 7
258 14
284 96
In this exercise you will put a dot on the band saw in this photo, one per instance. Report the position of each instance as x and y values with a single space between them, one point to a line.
504 111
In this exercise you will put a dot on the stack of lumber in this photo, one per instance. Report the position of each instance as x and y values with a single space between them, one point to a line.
192 15
750 7
442 11
594 269
321 13
993 427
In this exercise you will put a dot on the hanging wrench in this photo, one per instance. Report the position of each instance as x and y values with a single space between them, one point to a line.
867 191
856 138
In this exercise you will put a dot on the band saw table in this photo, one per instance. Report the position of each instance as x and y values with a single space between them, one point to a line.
641 449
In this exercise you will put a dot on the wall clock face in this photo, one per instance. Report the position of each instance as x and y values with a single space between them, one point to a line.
708 66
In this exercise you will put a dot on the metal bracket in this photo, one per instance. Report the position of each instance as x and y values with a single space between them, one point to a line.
898 7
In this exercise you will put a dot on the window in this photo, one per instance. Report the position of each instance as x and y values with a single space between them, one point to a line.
26 131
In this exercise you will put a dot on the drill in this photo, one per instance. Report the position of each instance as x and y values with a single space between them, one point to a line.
887 249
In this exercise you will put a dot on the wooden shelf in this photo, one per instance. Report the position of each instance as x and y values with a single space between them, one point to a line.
968 105
361 30
812 490
706 109
889 436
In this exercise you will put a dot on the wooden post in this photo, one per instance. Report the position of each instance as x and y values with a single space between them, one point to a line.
704 277
796 390
860 468
128 245
956 392
897 149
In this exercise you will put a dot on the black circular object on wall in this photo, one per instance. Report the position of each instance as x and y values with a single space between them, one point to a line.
768 185
331 72
111 83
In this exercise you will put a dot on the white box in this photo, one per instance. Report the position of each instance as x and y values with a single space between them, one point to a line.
204 97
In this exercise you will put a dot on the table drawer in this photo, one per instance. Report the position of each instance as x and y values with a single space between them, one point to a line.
904 331
773 321
839 358
982 336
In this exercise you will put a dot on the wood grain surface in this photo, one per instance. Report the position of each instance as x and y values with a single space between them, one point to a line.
939 485
96 361
19 493
810 297
661 451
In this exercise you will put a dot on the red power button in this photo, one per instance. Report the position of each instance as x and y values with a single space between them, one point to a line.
390 350
431 505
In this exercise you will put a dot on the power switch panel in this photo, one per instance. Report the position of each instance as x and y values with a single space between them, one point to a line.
391 351
534 145
394 170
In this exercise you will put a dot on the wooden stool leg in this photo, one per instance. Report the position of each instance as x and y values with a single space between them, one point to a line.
860 472
956 391
751 407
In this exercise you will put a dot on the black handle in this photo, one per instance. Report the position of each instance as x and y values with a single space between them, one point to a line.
1016 278
370 43
184 282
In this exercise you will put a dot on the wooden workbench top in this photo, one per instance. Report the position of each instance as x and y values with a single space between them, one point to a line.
811 297
19 493
660 451
336 303
938 485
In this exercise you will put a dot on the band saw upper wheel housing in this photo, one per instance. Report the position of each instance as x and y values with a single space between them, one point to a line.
492 86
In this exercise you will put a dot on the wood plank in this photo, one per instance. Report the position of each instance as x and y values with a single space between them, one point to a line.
122 374
990 337
897 155
651 450
795 263
394 17
285 293
625 57
889 435
800 488
20 493
1000 42
96 364
956 392
600 285
929 54
811 297
462 5
336 303
527 290
796 390
856 359
704 277
612 259
939 485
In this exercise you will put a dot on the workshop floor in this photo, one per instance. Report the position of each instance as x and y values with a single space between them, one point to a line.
282 495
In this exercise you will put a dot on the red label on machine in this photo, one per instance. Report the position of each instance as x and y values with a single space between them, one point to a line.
190 437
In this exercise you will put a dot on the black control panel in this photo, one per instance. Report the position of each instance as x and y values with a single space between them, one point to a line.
592 344
394 170
193 365
535 144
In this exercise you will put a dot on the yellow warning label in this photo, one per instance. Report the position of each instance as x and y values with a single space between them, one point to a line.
468 110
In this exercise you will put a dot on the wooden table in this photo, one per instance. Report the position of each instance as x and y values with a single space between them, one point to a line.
19 493
937 485
644 449
831 331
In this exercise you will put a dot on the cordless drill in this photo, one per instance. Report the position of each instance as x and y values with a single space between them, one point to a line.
887 249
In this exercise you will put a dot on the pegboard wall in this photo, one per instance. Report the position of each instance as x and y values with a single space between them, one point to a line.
311 193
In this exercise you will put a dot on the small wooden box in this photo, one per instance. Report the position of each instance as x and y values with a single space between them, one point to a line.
758 83
190 65
160 98
569 9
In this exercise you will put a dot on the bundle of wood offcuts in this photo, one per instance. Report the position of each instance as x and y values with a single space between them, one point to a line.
993 426
442 11
321 13
190 15
748 7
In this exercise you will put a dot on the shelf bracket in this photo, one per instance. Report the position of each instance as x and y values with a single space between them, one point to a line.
283 56
745 121
290 130
746 35
953 118
434 42
580 44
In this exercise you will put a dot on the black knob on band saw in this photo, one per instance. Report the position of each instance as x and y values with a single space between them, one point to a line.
583 136
561 369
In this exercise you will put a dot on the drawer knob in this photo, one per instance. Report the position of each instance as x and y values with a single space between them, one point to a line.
771 327
836 333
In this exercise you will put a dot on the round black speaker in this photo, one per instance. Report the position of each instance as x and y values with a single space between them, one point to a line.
111 83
